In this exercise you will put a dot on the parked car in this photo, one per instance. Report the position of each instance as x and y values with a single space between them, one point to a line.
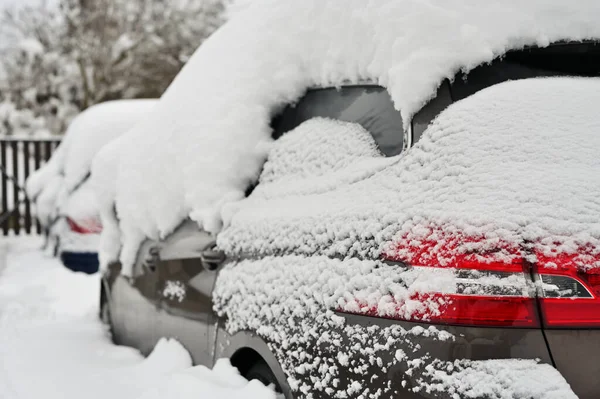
313 329
77 230
65 203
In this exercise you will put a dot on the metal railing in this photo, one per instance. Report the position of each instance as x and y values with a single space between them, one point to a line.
19 158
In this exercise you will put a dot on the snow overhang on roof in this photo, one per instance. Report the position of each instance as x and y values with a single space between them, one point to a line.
205 141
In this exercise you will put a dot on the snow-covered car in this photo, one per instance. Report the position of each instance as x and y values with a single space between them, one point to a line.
451 255
60 190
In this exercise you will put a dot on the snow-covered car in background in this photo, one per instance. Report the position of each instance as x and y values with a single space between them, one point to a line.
77 230
392 199
65 204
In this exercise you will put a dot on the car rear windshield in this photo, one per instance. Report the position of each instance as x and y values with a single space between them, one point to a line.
559 59
563 59
369 106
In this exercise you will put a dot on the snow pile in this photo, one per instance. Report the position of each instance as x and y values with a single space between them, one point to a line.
81 361
223 381
51 186
96 127
323 147
81 204
45 200
202 146
38 180
513 164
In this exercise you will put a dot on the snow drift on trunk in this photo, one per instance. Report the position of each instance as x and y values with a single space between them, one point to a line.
202 146
515 165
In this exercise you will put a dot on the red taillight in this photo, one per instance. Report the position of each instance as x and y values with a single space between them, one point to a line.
569 289
490 288
87 227
488 283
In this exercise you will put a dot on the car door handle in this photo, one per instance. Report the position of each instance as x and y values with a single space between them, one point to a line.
212 257
151 264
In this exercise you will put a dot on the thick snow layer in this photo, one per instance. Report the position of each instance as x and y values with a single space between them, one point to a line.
203 145
513 165
52 185
81 205
70 241
45 201
94 128
82 208
38 180
50 334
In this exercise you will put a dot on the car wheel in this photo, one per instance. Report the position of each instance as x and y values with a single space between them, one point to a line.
261 371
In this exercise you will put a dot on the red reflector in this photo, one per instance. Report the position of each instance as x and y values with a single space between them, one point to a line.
469 310
88 227
570 312
488 311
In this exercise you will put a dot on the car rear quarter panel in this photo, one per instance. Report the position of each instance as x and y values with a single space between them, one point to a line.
576 354
399 379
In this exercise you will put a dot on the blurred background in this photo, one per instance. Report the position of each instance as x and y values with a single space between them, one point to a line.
59 57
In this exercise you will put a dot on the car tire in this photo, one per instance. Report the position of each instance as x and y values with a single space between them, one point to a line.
260 371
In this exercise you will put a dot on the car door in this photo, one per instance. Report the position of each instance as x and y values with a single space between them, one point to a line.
185 290
136 302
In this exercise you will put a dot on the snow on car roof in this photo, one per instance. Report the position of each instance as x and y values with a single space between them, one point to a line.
204 144
71 162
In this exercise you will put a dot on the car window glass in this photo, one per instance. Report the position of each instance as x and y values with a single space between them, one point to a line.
564 59
369 106
559 59
433 108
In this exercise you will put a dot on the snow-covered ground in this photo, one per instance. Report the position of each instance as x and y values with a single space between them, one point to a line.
53 346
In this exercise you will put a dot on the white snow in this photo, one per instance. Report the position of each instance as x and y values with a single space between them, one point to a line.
32 47
502 378
174 290
52 184
203 145
80 205
44 184
513 164
53 346
94 128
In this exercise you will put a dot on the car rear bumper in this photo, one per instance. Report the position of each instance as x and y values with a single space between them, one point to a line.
426 361
85 262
